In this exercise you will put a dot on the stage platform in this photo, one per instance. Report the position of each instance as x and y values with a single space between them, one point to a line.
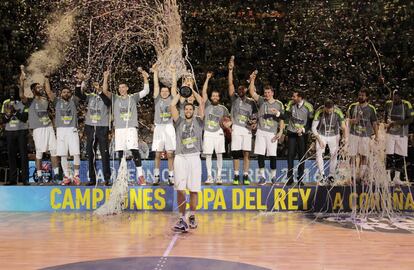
227 173
310 198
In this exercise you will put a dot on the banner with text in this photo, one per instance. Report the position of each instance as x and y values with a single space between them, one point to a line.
211 198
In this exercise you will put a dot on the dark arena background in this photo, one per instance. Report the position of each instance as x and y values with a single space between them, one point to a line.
326 54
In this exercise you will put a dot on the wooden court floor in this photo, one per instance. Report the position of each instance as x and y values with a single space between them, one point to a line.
275 241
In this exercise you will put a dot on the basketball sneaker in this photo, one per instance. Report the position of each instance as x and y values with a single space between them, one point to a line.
330 180
36 178
141 181
236 180
246 180
209 180
66 181
76 180
322 180
219 181
171 180
181 226
156 180
55 180
275 180
42 180
289 182
192 222
262 181
107 183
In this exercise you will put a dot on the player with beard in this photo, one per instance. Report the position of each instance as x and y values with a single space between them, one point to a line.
41 123
187 162
270 128
242 109
399 115
164 132
67 136
96 124
362 119
213 134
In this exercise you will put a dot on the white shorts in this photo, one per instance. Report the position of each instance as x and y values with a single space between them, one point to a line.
187 172
126 139
213 141
241 139
333 144
331 141
396 144
67 141
164 138
45 140
264 145
358 145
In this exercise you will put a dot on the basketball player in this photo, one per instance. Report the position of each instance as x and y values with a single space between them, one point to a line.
213 134
362 119
187 162
66 122
270 128
164 132
326 124
126 122
39 120
299 113
96 125
242 108
398 115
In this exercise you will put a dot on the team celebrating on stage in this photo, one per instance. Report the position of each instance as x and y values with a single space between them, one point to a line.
185 131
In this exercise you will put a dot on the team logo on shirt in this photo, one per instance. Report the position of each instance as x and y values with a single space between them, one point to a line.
124 113
188 137
165 114
95 109
65 114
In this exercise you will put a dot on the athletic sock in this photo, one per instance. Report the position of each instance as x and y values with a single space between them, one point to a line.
139 171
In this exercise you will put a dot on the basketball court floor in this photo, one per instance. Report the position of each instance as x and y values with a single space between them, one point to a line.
223 240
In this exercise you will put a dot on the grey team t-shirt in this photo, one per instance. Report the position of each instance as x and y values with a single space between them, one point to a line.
366 116
38 113
162 110
241 110
399 112
125 111
267 120
329 124
298 116
14 123
98 112
213 115
188 135
66 112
